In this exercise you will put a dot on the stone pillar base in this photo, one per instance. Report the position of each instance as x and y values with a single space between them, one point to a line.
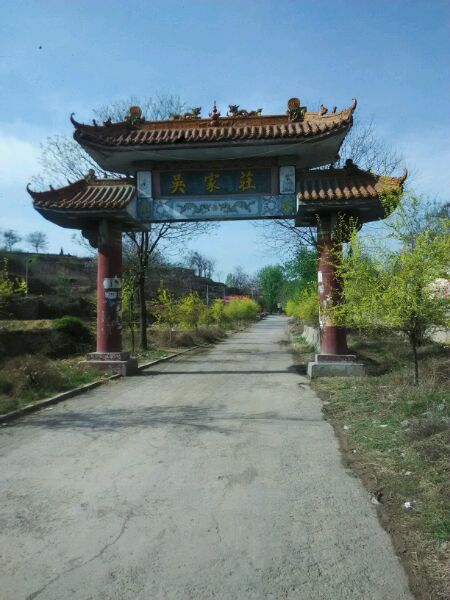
335 365
327 358
119 362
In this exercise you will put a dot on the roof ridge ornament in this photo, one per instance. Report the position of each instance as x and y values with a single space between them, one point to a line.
215 115
194 113
90 176
236 112
351 166
134 117
295 112
72 120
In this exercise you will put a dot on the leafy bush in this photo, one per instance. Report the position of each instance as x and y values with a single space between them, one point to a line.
304 306
191 308
166 311
189 321
217 311
241 310
74 327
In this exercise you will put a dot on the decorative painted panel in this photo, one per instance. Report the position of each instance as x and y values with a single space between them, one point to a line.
249 207
144 184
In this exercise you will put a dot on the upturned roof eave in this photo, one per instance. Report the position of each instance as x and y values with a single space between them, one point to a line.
81 218
290 141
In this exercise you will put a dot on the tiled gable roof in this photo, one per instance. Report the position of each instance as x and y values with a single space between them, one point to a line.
349 183
87 194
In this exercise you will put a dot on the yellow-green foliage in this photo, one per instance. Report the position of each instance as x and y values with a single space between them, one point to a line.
241 310
217 311
190 310
304 306
392 288
9 286
168 313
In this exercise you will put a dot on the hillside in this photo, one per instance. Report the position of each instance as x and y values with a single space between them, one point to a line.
64 284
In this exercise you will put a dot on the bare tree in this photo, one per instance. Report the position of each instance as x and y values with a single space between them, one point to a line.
202 264
209 267
64 160
368 151
144 245
10 239
241 280
37 240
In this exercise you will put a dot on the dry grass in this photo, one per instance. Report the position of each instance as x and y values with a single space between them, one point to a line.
25 325
182 338
27 379
397 438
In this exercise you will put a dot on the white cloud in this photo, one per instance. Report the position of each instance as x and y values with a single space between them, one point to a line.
18 160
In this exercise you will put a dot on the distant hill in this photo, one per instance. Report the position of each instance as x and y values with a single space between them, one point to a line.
62 281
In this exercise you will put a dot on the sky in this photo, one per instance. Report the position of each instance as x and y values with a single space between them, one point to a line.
59 57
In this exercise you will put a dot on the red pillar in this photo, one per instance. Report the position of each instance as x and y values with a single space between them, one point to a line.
333 340
109 355
109 287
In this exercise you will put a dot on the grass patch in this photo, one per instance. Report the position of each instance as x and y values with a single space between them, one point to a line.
27 379
24 325
397 437
144 356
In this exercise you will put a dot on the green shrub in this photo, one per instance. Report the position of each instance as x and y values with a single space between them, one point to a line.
217 311
74 327
304 306
190 310
241 310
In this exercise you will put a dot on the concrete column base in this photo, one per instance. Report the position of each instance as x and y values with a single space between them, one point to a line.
335 365
119 362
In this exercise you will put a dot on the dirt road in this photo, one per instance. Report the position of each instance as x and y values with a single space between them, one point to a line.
213 476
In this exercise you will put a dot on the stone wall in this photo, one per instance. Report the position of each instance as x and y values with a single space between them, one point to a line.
312 336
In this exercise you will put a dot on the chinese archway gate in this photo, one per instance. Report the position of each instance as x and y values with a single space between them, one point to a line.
239 166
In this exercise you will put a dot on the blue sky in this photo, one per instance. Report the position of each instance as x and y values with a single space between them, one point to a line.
393 56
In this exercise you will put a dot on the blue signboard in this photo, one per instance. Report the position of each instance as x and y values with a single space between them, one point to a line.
215 183
216 195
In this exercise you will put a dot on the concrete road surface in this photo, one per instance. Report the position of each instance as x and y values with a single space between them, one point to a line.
212 476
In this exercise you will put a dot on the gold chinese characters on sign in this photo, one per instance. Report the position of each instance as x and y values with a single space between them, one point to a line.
212 182
246 181
178 186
